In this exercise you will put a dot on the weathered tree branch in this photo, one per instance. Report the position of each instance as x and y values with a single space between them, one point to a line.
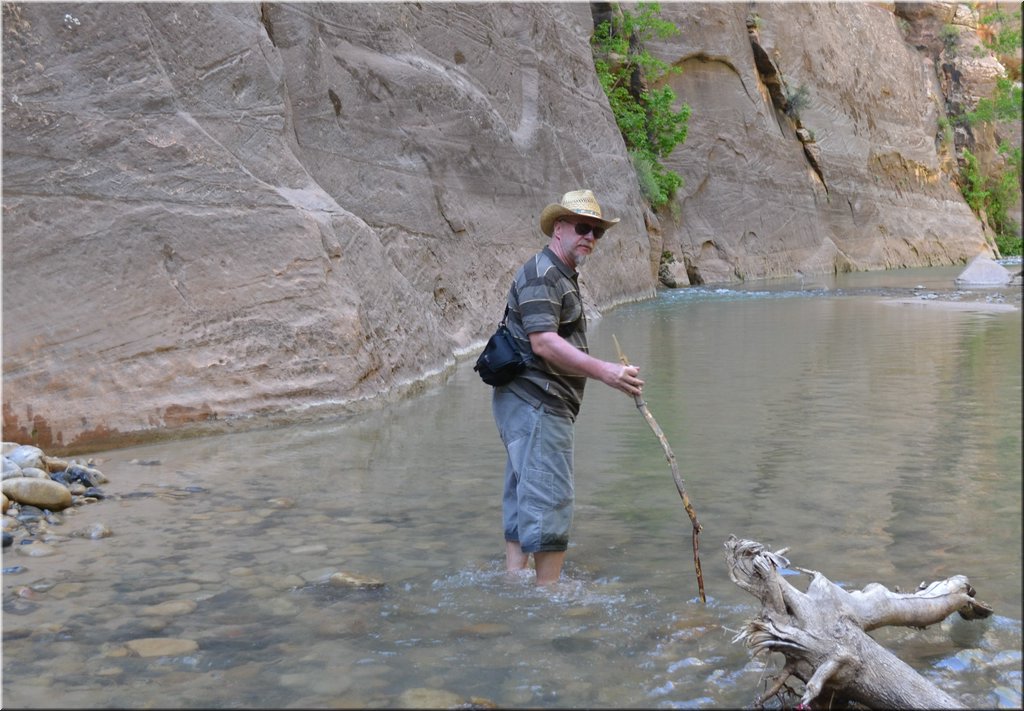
676 476
822 632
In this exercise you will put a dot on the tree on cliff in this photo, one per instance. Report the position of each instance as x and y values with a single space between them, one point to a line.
643 107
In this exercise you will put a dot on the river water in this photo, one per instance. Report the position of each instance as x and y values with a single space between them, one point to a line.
856 420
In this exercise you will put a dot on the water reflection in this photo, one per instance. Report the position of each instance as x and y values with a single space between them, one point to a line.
880 442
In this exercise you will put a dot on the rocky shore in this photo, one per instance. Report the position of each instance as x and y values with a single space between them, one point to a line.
40 493
42 496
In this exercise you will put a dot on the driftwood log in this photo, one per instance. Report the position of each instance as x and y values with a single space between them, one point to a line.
822 632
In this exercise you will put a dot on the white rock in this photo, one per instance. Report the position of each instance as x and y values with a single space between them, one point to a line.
984 271
27 456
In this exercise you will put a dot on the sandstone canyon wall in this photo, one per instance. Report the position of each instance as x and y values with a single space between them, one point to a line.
219 216
853 182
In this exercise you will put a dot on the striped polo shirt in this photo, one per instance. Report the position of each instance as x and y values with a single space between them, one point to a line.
545 296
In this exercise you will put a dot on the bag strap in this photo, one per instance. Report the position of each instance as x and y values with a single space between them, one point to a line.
505 315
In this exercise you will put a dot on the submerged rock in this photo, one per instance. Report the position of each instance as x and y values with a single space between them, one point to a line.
343 579
161 647
425 698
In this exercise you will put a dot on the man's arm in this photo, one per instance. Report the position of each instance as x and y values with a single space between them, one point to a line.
565 357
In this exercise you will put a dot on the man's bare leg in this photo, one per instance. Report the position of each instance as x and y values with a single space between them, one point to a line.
549 566
515 559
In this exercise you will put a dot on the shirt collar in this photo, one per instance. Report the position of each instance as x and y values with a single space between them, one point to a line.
567 271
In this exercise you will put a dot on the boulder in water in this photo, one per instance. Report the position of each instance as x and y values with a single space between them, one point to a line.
984 271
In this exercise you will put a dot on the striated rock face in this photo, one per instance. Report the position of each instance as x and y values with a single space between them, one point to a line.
217 211
222 215
951 37
849 181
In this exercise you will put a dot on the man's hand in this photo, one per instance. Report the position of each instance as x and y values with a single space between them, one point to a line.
627 379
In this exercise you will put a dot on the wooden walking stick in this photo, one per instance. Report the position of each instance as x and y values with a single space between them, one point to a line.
680 486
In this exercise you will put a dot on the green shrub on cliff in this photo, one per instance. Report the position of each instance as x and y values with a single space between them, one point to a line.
1005 104
797 100
645 114
994 195
950 36
1006 35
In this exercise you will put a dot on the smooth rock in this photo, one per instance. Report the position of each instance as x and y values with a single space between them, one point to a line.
161 646
43 493
36 549
89 476
10 468
423 698
984 271
170 608
353 580
94 532
26 455
312 548
187 588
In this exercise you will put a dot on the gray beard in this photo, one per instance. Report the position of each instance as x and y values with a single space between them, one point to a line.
581 259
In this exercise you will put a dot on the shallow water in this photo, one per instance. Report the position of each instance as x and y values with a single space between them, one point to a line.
880 441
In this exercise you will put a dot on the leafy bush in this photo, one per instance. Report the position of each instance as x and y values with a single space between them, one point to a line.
973 183
1007 39
797 100
946 128
1006 105
950 36
994 195
649 124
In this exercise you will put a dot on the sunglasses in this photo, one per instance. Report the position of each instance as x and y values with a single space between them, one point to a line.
583 228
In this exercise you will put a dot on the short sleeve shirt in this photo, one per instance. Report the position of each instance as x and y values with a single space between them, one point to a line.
545 296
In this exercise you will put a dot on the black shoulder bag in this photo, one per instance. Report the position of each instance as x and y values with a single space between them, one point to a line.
500 362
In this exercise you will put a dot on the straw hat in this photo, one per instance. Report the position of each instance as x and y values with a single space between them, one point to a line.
576 202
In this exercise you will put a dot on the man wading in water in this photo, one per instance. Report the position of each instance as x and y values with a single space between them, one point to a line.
536 412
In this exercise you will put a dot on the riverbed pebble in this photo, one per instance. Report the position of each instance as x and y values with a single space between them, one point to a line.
424 698
36 549
94 531
171 608
40 501
161 646
352 580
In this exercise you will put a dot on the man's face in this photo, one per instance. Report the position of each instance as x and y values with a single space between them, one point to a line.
577 247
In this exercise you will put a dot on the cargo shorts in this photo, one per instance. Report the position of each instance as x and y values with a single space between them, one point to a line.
537 501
